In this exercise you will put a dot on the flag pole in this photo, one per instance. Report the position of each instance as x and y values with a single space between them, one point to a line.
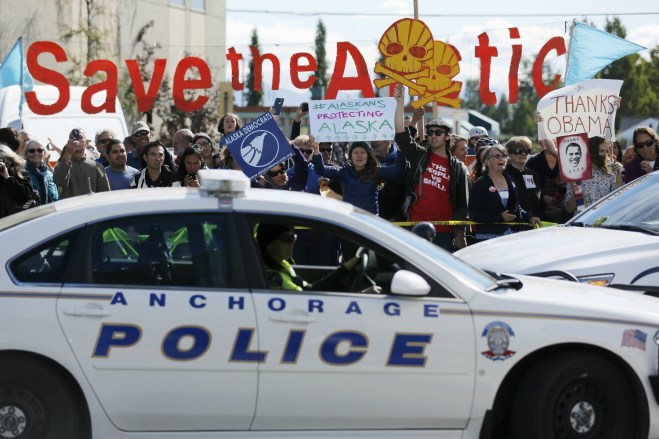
20 104
569 50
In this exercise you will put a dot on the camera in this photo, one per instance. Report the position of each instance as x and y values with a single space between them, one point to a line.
304 106
75 134
192 175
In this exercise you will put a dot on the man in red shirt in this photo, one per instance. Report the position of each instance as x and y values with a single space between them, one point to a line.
437 186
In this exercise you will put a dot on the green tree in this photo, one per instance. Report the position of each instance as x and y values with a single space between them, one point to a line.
253 97
319 87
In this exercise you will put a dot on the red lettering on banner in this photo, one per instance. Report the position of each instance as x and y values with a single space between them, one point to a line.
485 52
557 44
145 99
233 59
47 76
109 86
361 82
181 84
258 68
296 69
513 73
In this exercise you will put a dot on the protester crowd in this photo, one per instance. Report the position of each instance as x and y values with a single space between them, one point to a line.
469 189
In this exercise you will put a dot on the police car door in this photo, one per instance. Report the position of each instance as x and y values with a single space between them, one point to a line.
339 360
151 314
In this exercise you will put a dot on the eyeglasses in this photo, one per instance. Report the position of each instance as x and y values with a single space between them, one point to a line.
325 149
520 151
498 156
35 151
646 144
307 151
203 143
276 173
103 141
435 132
287 238
141 133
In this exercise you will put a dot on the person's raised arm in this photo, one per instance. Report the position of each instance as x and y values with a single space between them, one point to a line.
399 121
548 143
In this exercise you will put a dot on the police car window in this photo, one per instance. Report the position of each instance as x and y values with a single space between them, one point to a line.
318 249
45 263
171 251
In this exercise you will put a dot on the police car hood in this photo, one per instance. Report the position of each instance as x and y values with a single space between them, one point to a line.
540 297
567 248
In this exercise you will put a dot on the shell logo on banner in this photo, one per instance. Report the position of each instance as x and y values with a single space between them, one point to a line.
427 67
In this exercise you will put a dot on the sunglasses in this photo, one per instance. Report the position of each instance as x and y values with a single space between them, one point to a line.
35 151
287 238
520 151
325 149
435 132
307 151
276 173
141 133
647 144
498 156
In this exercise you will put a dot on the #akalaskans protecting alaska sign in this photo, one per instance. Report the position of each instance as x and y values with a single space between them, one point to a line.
352 120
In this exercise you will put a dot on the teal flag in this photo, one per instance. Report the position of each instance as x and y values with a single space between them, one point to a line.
591 50
13 71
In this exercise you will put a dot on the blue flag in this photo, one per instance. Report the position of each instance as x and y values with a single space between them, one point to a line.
13 71
591 50
259 145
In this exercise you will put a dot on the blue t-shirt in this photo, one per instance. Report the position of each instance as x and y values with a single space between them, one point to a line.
120 180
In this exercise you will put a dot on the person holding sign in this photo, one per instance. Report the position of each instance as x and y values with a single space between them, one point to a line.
437 185
493 199
646 150
603 180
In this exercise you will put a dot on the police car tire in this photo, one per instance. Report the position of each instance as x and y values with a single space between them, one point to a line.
35 403
574 395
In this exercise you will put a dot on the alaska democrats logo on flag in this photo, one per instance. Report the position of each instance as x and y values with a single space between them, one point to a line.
259 145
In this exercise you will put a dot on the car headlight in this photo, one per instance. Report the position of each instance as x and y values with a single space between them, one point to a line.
601 280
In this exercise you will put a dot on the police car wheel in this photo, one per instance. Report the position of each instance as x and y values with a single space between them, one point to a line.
36 404
573 396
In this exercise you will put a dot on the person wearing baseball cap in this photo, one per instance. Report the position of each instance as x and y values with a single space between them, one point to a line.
437 185
141 136
475 133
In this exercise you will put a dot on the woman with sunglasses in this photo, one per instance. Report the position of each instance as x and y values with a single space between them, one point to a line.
646 149
15 186
278 178
41 176
528 182
493 199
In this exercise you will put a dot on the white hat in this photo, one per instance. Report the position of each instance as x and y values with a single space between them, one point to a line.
140 126
440 123
477 131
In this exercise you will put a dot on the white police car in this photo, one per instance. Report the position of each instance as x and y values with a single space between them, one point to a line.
615 242
148 314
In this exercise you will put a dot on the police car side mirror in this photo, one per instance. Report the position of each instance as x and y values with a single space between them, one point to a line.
407 283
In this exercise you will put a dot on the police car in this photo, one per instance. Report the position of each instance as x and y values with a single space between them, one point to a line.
148 314
614 242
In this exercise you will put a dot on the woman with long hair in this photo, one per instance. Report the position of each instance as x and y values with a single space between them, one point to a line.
493 199
191 161
361 176
41 177
603 181
15 185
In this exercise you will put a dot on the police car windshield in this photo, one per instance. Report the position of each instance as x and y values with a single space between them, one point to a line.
458 266
633 207
26 215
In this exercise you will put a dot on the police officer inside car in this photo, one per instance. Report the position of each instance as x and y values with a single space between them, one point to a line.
276 242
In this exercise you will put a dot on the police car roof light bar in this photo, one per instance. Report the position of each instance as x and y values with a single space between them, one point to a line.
223 182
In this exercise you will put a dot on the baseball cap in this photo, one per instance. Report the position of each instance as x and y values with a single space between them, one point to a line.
140 126
486 141
477 131
439 123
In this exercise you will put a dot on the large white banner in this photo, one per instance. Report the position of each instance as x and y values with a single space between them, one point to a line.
585 107
352 120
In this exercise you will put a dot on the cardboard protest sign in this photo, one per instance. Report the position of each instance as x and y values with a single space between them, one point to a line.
352 120
586 107
574 158
259 145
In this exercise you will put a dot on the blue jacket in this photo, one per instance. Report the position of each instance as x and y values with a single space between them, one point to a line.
42 182
363 194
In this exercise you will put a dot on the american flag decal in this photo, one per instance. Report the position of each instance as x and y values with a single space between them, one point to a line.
634 338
